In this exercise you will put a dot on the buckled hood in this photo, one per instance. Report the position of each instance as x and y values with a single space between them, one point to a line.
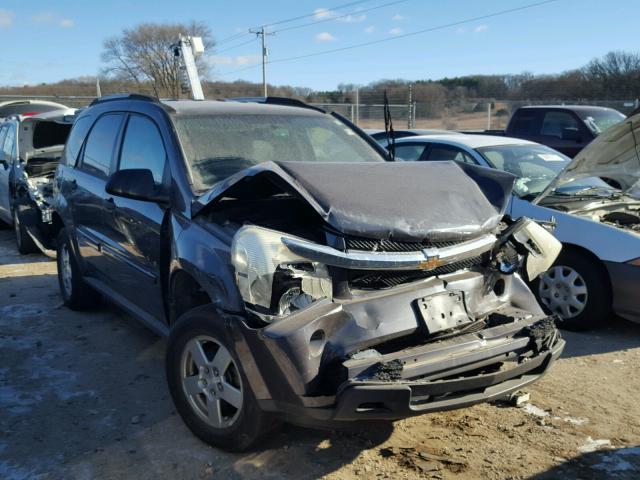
402 201
614 155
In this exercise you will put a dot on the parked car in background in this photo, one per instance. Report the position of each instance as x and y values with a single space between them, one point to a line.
598 224
567 128
381 136
298 274
28 107
30 150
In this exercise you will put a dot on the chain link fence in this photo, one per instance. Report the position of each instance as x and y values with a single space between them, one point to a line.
366 109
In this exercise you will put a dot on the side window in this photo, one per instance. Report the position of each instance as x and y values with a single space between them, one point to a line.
3 135
524 123
555 122
142 147
8 148
100 145
409 153
75 140
448 152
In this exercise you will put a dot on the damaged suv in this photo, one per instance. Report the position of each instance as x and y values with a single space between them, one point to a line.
298 274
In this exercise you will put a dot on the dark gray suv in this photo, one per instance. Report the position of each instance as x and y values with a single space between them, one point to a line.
298 274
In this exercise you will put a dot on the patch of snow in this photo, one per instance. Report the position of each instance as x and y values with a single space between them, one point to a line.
592 445
576 420
533 410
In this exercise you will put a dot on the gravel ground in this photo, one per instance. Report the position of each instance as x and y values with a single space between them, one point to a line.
83 395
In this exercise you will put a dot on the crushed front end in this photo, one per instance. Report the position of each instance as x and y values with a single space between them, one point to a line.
368 329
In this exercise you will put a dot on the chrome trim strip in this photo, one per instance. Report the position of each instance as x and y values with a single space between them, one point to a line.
427 259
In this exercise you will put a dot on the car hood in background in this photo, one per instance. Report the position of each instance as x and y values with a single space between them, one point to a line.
411 201
614 155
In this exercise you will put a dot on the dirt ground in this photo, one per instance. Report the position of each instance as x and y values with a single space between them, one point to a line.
83 395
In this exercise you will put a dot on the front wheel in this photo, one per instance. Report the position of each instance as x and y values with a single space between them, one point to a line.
209 387
577 289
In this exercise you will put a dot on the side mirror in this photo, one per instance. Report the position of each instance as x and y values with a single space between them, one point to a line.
571 133
135 183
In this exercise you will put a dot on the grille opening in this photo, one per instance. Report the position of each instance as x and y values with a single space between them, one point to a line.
377 280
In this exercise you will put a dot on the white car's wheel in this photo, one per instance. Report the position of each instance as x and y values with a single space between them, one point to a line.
576 288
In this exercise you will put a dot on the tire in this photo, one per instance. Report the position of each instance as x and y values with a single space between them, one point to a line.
76 293
236 423
577 289
24 242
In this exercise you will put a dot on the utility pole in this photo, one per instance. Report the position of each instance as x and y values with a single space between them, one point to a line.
265 54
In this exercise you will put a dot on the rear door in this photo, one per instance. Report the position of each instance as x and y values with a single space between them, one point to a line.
9 152
87 196
134 239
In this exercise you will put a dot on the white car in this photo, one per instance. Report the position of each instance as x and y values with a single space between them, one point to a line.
597 221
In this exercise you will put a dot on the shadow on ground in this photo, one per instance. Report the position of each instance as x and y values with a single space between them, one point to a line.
619 334
618 464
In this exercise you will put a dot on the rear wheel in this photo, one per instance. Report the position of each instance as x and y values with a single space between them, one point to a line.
577 289
209 387
76 293
24 242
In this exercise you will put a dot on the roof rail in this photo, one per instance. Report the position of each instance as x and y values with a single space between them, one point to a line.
290 102
123 96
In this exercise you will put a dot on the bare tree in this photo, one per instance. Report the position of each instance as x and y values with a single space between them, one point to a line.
616 74
143 55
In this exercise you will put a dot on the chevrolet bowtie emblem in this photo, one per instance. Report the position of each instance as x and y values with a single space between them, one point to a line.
430 263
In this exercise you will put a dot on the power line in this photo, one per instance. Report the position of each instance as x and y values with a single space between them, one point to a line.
397 37
312 14
357 12
287 20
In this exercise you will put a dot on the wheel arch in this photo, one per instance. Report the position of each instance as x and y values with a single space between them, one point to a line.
184 293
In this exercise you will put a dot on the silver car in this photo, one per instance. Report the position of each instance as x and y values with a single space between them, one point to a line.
592 201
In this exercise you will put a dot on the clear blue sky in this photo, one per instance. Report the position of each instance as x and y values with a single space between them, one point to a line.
46 40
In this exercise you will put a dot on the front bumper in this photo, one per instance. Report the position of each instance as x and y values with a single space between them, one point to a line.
441 375
625 285
384 400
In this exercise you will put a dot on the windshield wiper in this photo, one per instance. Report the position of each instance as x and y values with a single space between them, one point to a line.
388 129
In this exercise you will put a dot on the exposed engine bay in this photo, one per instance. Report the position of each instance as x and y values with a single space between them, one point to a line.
621 211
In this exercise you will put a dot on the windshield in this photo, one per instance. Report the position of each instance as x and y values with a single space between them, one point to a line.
217 146
535 166
600 120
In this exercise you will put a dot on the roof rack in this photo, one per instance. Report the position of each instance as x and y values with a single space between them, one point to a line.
290 102
123 96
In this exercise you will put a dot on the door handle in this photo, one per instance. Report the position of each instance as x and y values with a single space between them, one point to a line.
73 184
110 203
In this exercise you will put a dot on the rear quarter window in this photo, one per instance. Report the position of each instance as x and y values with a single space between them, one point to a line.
75 140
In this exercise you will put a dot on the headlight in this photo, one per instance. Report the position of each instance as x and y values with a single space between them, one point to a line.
272 280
